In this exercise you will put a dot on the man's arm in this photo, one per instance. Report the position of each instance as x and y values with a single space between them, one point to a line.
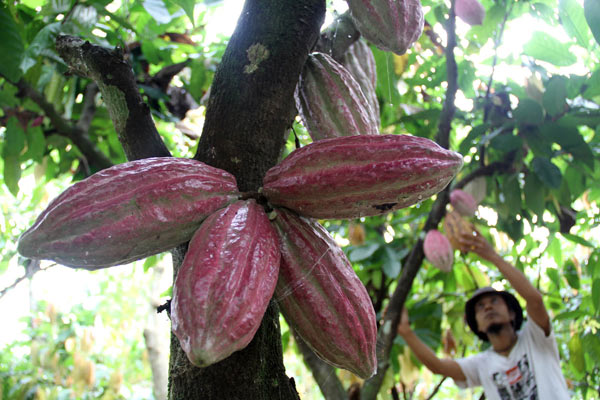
535 303
446 367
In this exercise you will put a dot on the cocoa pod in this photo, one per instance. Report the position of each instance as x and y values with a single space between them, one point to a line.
470 11
321 297
225 283
438 250
356 176
128 212
330 101
463 202
360 62
454 227
391 25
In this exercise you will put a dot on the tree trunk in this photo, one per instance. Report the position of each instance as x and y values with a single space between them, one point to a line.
249 115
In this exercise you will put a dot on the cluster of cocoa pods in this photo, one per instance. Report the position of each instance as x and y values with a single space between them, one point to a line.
439 247
243 252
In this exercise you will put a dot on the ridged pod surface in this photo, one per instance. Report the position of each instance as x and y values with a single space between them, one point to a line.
356 176
331 102
392 25
454 227
225 283
128 212
463 202
470 11
360 62
438 250
321 297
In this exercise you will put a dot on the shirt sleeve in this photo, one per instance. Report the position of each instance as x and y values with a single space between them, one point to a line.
537 335
470 367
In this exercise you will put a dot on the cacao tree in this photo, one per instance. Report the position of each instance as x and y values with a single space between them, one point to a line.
89 85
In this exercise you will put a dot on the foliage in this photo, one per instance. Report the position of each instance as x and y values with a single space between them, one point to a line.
528 100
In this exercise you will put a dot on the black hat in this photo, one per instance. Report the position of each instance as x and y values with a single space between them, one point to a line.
511 302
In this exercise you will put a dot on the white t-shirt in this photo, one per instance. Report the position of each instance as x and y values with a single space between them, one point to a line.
530 372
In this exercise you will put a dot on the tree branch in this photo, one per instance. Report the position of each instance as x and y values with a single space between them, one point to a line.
130 115
324 374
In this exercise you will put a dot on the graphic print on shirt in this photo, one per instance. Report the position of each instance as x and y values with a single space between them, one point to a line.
518 383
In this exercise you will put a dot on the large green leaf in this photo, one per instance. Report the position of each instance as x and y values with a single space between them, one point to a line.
534 191
576 353
596 294
591 10
391 265
547 172
546 48
573 19
555 96
11 46
188 7
529 112
158 11
12 173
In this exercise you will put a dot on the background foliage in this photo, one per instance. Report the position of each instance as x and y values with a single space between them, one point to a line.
529 89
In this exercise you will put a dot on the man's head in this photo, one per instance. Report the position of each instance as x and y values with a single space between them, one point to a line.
489 309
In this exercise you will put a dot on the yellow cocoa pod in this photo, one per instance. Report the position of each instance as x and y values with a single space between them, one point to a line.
454 227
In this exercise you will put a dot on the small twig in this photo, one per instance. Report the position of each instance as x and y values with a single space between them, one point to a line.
436 388
31 268
165 307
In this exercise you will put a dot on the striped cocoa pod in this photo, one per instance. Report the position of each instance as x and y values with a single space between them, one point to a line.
360 62
321 297
128 212
331 102
463 202
392 25
438 250
225 283
356 176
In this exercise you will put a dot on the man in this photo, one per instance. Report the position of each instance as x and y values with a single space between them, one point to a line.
522 361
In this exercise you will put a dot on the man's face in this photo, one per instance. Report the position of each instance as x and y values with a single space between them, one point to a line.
491 309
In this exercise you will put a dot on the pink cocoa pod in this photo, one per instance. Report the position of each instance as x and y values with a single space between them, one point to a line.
225 283
438 250
392 25
470 11
356 176
331 102
360 62
128 212
321 297
463 202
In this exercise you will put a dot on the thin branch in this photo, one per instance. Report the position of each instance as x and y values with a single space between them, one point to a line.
31 268
436 388
130 115
64 127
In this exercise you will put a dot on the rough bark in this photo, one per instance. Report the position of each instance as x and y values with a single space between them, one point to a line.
249 113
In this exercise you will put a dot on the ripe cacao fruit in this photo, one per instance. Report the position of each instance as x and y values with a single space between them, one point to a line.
356 176
470 11
438 250
321 297
225 283
391 25
127 212
454 227
331 102
463 202
360 62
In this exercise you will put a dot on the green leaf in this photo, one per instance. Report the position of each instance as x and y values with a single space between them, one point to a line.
547 172
591 9
14 141
570 273
596 294
11 46
12 173
576 353
555 250
534 195
578 240
529 112
158 11
36 144
554 276
573 20
363 252
511 193
391 265
593 85
555 96
546 48
188 7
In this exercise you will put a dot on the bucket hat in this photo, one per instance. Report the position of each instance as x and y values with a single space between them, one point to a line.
511 302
